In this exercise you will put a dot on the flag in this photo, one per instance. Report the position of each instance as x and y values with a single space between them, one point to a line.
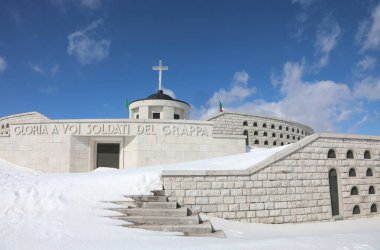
220 106
126 104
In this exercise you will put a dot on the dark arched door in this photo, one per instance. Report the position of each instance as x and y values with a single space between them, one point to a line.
246 139
333 181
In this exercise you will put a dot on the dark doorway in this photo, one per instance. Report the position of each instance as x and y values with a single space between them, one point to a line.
333 181
246 139
107 155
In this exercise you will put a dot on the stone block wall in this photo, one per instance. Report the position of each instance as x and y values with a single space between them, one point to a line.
262 131
290 187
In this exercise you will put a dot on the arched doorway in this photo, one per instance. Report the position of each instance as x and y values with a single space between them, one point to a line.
246 139
333 181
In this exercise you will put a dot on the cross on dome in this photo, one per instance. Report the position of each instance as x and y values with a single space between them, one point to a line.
160 68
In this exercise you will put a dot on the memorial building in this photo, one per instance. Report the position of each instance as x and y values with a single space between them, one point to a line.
318 177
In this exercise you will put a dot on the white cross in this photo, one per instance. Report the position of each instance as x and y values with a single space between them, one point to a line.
160 68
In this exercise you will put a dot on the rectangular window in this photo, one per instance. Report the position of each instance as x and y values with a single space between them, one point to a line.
156 115
137 116
176 116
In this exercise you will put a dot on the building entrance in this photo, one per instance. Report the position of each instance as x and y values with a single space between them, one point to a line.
107 155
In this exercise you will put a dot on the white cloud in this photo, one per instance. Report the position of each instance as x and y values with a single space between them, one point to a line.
237 94
317 104
357 124
169 92
304 3
327 37
369 31
368 88
36 68
344 115
367 63
91 4
86 4
15 15
274 79
86 47
54 69
3 64
362 30
302 16
44 70
49 90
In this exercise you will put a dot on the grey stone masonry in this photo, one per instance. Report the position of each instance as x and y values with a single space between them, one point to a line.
291 186
261 131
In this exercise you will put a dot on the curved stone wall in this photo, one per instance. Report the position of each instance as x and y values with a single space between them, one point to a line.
167 109
261 131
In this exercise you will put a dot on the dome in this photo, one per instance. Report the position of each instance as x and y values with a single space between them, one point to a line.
159 106
159 95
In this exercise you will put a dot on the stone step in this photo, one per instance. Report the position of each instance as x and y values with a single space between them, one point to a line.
161 220
216 234
178 212
144 204
148 198
205 227
125 203
158 192
159 204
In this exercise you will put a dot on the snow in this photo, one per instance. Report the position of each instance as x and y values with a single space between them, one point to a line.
66 211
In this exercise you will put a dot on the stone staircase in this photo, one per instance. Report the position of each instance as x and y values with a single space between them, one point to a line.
155 212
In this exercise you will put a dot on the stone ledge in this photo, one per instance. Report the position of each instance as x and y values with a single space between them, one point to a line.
150 121
23 115
223 136
272 159
168 173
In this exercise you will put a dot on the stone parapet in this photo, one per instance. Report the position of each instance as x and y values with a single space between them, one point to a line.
290 186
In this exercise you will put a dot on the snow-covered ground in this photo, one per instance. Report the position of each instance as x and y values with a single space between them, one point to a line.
65 211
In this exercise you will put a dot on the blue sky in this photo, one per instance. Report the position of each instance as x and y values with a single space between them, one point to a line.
312 61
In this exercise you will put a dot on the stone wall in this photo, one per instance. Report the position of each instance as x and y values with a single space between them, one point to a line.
291 186
262 131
